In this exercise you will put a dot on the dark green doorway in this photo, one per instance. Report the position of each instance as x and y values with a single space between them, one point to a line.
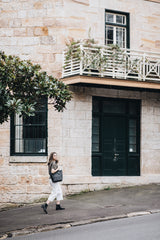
114 146
115 137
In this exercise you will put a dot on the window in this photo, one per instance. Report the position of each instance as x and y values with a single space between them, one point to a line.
95 134
29 134
117 28
132 135
95 127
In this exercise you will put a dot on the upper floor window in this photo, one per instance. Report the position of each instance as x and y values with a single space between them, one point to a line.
117 28
29 134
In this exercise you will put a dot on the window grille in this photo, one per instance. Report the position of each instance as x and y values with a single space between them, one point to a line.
29 134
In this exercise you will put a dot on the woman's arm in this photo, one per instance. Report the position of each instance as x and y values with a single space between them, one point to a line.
53 171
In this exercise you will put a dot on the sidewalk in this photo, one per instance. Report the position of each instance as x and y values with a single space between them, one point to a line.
82 209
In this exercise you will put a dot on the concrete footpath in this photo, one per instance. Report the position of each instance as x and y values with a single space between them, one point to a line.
82 209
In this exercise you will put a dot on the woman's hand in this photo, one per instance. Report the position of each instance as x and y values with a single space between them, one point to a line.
53 171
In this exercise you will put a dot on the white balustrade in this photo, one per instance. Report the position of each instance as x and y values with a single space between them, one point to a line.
104 61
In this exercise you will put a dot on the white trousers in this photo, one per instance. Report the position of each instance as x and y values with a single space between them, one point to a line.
56 192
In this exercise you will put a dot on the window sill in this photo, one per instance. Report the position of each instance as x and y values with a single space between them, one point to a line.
28 159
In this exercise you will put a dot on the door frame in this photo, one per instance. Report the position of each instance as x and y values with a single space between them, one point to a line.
132 158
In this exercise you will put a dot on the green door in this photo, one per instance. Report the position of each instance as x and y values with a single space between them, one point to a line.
115 137
114 146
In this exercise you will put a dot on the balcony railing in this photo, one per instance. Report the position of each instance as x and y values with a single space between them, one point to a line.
113 62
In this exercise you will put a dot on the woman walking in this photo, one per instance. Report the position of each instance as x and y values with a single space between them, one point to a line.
56 188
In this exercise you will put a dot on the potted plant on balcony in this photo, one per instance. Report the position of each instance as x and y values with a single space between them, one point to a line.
93 58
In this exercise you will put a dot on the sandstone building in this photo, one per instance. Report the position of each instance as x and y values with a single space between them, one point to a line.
109 135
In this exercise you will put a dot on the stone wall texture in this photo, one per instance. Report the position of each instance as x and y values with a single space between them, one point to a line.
38 30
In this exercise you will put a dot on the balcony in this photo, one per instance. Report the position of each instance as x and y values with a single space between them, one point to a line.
111 65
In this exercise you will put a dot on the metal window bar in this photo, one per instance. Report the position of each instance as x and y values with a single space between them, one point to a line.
30 133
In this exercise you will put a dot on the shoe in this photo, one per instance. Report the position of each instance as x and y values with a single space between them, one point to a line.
58 207
44 206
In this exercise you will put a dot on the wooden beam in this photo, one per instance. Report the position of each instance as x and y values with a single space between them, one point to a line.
156 1
111 82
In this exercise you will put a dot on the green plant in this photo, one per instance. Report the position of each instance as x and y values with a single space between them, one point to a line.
22 84
92 54
73 50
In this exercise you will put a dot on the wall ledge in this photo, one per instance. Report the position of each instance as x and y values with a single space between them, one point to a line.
28 159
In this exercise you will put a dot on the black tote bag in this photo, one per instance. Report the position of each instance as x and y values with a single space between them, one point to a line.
57 176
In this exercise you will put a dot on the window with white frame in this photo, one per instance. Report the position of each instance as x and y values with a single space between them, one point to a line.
117 28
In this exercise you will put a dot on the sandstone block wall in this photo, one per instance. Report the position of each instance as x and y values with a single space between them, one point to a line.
75 153
69 134
38 30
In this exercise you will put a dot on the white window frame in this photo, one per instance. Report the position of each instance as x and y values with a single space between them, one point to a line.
114 25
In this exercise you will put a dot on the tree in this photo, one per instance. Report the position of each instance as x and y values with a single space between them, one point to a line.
23 83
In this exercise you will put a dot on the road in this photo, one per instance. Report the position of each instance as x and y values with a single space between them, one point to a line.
135 228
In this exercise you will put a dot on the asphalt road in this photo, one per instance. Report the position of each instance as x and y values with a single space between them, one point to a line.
135 228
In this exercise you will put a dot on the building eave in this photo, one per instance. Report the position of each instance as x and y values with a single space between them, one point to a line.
78 79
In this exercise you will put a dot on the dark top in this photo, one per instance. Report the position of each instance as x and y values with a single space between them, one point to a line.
52 165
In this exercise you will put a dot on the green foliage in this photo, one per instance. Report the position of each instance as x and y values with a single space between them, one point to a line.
22 84
73 50
93 57
73 47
